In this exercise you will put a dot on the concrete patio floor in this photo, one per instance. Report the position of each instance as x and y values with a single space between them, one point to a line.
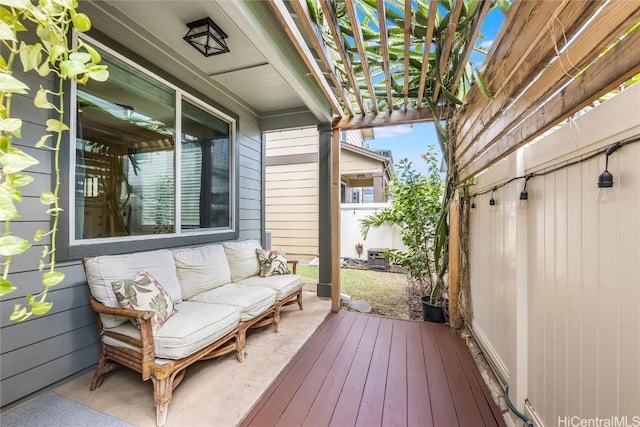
219 392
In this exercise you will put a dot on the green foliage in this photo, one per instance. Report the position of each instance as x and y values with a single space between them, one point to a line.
416 209
54 55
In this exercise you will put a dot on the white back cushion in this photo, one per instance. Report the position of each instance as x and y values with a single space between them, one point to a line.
242 258
201 269
103 270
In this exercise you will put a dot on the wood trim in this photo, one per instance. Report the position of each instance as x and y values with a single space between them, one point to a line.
335 221
607 27
336 33
454 259
384 47
396 117
284 17
614 68
433 12
357 36
446 52
290 159
319 45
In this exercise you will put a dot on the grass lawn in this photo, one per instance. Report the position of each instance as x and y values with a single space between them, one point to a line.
386 292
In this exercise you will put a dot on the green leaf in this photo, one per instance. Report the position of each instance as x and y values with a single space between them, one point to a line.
56 51
38 234
30 56
16 161
6 287
11 125
53 211
70 69
9 84
39 308
52 278
54 125
13 245
99 76
95 56
8 209
41 100
481 85
42 141
44 69
6 32
20 179
18 4
82 57
20 314
47 198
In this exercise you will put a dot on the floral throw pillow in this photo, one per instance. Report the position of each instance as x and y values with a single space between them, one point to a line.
143 292
272 263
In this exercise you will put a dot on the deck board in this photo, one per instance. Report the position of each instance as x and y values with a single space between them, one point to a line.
368 370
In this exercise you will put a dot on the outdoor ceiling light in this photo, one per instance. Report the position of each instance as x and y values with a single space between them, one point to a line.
206 37
605 180
473 202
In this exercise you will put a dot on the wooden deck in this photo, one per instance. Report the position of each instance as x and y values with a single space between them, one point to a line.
367 370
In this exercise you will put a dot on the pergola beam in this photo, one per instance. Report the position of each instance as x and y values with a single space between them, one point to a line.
284 17
357 36
616 67
407 50
319 45
470 43
384 48
336 33
446 51
431 20
395 117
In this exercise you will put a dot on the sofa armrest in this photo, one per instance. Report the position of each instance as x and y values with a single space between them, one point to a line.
294 263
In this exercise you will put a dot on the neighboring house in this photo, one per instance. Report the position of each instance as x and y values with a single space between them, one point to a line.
292 184
168 152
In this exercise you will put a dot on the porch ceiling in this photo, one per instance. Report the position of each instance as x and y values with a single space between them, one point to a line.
154 30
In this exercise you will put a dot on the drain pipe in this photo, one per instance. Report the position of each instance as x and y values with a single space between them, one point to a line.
503 382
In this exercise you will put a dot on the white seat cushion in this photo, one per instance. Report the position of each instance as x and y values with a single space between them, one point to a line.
101 271
284 285
242 258
251 300
193 326
201 269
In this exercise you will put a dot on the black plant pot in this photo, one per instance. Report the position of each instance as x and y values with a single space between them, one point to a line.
432 313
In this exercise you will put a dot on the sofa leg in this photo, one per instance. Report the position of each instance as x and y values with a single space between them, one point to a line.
102 368
299 298
276 319
162 393
240 341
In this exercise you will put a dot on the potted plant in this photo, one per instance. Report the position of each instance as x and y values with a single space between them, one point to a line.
416 208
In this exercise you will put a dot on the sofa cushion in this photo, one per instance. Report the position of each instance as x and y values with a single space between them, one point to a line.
103 270
283 285
143 292
272 263
201 269
242 259
193 326
250 300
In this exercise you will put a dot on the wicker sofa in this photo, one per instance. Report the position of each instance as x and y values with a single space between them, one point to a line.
217 294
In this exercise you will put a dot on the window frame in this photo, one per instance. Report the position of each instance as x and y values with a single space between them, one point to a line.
72 248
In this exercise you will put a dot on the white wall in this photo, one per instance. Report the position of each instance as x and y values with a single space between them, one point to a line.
556 287
386 236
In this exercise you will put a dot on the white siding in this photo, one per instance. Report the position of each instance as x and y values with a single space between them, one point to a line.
576 353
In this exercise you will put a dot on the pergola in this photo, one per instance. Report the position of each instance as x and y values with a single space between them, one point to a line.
394 62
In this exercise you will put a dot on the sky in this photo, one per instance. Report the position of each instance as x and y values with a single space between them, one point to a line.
411 141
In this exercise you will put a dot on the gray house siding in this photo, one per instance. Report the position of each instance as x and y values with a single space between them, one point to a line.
47 349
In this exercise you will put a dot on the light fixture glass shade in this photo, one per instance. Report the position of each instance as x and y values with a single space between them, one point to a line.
206 37
492 204
605 195
524 197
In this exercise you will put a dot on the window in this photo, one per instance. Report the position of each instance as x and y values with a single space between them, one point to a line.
131 179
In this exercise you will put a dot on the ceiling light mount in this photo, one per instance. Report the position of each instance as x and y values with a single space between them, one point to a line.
206 37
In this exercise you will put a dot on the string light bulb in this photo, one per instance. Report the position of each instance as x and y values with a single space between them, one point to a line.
524 195
492 201
605 192
473 202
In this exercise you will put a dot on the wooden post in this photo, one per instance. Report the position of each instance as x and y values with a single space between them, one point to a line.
454 260
335 220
